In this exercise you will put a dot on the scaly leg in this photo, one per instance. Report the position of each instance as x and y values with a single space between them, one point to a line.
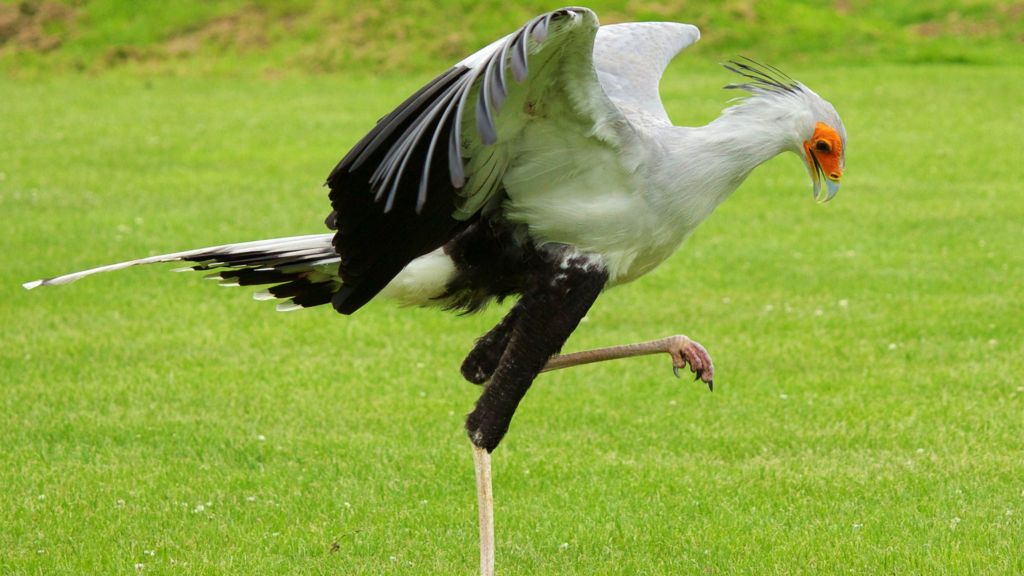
485 507
683 351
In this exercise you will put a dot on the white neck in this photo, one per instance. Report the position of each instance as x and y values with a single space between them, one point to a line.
703 166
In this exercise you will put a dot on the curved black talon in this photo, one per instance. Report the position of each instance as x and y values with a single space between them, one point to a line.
711 385
675 370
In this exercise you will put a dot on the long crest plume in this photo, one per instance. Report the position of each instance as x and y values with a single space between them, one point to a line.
761 78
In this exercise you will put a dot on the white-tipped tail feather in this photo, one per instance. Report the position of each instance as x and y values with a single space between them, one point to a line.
303 271
205 257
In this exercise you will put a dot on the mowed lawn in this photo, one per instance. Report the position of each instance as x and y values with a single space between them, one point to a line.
867 418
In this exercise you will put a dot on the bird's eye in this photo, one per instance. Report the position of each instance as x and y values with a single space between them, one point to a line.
822 146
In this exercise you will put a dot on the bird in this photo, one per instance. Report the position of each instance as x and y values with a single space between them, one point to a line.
542 168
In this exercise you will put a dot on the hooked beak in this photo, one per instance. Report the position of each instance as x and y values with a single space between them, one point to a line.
818 175
824 156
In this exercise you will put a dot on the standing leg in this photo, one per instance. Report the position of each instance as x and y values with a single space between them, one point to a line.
485 509
533 331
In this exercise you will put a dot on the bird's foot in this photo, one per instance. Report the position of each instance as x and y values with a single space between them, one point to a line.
685 351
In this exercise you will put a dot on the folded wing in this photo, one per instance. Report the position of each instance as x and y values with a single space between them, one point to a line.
434 164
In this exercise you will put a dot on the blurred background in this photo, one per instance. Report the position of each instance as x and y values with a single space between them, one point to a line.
868 412
316 36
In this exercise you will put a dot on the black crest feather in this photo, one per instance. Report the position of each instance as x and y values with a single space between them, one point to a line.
761 77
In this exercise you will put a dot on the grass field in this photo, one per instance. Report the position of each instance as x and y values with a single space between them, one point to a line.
283 36
868 414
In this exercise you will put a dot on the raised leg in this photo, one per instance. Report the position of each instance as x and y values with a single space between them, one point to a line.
682 349
684 352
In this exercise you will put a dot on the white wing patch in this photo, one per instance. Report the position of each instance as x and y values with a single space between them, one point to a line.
630 60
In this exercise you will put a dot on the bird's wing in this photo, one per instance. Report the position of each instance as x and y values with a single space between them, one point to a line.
433 164
630 59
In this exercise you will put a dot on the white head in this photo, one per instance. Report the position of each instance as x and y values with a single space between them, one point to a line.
818 135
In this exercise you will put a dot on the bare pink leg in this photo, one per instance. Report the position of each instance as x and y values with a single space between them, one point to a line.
485 508
682 350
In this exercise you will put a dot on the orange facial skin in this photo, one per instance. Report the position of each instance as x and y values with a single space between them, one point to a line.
825 152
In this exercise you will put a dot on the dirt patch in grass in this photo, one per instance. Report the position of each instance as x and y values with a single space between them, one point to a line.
35 25
244 31
955 24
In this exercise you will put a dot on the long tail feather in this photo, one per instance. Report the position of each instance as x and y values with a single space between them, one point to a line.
304 268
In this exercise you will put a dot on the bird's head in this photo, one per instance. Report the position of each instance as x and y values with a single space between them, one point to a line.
824 149
819 137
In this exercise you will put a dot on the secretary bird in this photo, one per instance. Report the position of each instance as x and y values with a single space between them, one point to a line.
543 166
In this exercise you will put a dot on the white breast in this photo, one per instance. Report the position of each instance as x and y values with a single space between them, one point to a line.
576 190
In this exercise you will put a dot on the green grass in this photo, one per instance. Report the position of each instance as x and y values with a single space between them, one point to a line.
281 37
867 415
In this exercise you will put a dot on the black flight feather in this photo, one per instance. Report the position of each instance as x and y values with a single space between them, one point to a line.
394 194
